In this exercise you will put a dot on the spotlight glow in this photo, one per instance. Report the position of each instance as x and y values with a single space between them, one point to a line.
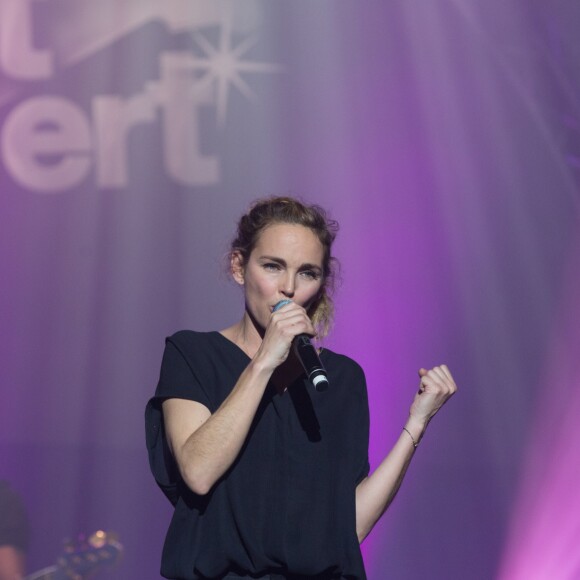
545 529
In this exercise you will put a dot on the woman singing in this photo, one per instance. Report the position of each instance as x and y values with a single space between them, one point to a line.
268 476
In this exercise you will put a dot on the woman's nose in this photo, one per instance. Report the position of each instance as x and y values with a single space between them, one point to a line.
288 286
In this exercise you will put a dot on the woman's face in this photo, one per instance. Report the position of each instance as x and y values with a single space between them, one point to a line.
286 263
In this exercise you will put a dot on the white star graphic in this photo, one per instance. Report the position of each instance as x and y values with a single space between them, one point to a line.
223 66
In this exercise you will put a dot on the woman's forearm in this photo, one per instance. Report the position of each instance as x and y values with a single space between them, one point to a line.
375 493
206 453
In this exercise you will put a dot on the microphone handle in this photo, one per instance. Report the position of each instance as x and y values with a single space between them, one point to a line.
311 362
308 357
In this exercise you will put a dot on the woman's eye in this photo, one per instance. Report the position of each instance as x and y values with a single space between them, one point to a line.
311 274
271 266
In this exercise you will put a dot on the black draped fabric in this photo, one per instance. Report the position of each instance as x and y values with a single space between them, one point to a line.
287 505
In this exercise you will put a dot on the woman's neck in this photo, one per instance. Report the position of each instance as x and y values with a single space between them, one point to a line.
245 335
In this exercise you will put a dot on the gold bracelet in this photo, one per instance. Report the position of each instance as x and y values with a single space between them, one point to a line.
415 443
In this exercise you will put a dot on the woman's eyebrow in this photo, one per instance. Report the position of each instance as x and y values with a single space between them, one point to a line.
310 267
274 259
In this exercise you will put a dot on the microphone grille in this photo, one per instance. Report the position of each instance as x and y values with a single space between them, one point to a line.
279 305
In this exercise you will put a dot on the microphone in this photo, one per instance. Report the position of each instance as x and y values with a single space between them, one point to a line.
308 357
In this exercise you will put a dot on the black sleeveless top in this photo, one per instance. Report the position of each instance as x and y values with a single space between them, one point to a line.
287 504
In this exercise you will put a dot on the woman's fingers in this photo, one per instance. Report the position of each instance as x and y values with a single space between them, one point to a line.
446 370
438 377
285 323
292 319
436 387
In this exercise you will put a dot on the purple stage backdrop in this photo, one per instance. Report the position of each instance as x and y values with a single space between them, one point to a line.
444 136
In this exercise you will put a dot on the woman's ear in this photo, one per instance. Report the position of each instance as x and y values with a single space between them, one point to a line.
237 267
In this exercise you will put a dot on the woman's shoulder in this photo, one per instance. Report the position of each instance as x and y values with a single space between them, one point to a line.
201 344
345 375
191 337
341 362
